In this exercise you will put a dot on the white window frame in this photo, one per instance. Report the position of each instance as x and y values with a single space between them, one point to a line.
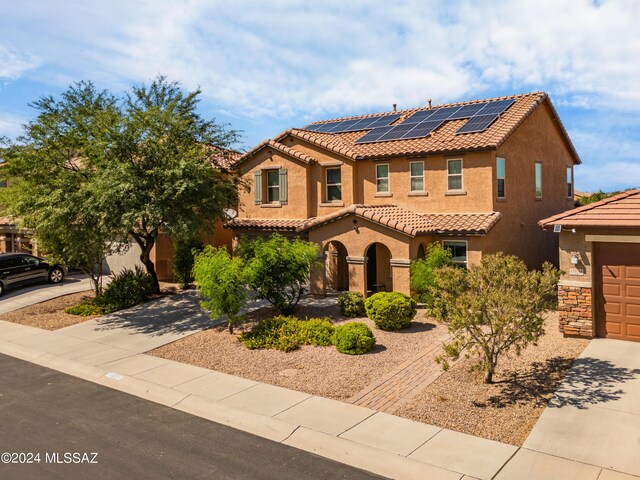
466 246
411 177
503 178
461 174
388 190
538 165
327 184
570 182
266 172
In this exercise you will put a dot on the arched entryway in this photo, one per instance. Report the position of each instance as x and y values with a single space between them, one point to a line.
378 268
421 253
336 267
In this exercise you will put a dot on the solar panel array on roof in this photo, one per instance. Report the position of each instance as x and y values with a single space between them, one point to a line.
343 126
420 124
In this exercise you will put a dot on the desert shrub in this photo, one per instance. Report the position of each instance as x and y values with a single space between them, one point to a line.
86 308
391 310
316 331
423 272
183 260
220 280
278 268
351 304
353 338
496 307
127 289
288 333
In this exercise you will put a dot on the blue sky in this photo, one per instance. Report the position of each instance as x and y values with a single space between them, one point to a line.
267 66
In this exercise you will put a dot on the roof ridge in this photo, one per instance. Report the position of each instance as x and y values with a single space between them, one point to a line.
590 206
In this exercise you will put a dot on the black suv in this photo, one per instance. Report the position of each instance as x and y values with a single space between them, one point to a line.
19 268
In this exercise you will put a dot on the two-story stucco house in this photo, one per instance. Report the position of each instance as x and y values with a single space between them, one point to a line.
373 191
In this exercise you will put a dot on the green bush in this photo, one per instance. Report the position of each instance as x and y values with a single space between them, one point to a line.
391 310
183 259
288 333
353 338
127 289
423 272
316 331
86 308
351 304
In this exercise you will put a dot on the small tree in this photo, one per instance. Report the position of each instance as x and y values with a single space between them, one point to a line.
494 308
423 272
219 279
278 269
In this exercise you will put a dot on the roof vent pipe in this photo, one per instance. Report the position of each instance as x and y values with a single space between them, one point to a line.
429 104
394 107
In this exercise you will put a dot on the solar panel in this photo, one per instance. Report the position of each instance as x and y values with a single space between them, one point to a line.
420 116
497 107
423 129
443 113
466 111
478 123
397 132
374 135
343 126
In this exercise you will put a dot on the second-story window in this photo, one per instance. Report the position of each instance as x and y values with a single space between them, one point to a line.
454 175
334 185
273 186
569 182
382 178
538 180
500 174
417 176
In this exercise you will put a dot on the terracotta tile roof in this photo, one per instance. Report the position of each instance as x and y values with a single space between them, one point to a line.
463 222
7 221
412 223
277 146
223 157
444 139
276 224
620 211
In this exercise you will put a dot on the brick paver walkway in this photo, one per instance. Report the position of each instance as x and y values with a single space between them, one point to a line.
403 383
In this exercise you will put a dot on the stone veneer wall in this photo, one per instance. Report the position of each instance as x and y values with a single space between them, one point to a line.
575 313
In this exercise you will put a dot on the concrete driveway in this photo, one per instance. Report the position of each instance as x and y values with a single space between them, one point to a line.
594 417
21 297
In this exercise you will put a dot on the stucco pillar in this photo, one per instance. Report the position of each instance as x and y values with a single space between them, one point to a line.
357 274
318 278
3 244
400 274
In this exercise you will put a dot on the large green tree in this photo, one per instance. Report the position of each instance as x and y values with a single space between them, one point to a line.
144 163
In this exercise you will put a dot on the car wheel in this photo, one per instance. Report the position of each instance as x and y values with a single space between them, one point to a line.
1 289
56 275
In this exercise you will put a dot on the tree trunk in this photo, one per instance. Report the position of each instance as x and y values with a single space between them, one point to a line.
146 245
230 327
488 374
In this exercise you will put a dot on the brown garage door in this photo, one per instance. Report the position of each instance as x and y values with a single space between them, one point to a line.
618 290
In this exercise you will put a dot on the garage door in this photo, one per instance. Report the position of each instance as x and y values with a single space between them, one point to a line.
618 290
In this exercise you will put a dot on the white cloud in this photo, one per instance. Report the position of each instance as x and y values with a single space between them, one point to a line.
10 125
13 64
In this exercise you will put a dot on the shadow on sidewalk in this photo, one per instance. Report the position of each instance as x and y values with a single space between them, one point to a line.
179 313
588 381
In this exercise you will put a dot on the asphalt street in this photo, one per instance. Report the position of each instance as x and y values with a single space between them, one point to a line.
66 421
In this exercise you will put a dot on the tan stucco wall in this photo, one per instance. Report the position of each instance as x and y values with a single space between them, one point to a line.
518 233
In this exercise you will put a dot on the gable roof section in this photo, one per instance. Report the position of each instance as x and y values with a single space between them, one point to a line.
411 223
620 211
303 157
443 140
276 224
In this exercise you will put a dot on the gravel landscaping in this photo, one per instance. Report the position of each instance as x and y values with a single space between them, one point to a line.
316 370
49 315
507 410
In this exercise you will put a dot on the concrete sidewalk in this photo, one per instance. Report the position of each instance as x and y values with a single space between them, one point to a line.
374 441
18 298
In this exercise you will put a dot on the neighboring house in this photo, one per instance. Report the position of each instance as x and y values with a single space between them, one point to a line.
599 292
15 239
374 191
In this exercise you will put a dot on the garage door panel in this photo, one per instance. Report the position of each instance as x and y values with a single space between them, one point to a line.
610 289
618 290
632 273
633 292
